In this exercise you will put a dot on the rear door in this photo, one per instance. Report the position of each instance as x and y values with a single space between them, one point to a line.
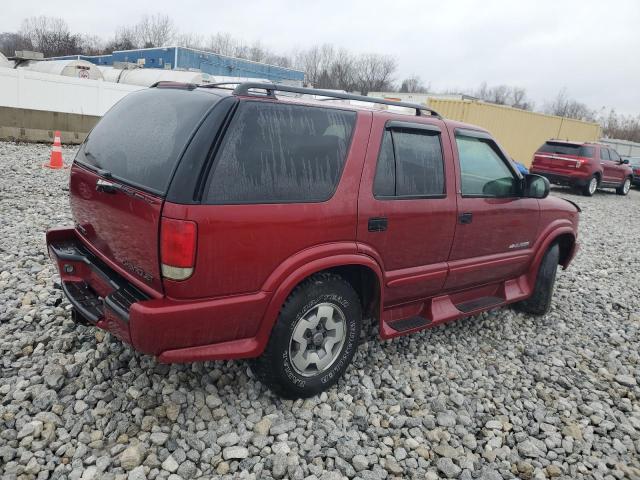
122 171
406 205
496 227
608 170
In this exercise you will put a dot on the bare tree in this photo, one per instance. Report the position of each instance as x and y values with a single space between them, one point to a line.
564 106
413 84
156 30
49 35
190 40
621 127
91 45
10 42
374 72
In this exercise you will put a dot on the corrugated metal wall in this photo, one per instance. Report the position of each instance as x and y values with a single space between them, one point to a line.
519 132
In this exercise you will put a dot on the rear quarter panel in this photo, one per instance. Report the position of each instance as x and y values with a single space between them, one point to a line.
240 246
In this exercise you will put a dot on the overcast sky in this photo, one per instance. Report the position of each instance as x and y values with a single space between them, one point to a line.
590 47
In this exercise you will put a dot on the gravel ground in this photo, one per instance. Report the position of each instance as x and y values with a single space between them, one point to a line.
500 395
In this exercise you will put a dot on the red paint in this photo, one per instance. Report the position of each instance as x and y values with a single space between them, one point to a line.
578 170
248 258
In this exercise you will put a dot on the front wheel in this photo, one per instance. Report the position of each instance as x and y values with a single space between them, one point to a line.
539 302
625 187
590 188
314 339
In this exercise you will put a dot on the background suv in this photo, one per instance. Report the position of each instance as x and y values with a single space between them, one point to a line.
213 223
586 166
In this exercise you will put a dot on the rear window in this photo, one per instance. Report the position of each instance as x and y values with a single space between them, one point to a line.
279 153
140 140
567 149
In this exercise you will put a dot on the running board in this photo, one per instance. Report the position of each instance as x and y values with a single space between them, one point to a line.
409 324
479 303
408 318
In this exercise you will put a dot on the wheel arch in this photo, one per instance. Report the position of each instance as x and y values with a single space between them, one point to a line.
361 271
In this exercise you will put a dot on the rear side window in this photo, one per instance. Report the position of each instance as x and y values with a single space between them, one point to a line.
604 154
410 164
279 153
567 149
140 140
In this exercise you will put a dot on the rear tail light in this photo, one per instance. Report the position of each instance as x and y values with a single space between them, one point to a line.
178 240
580 162
636 171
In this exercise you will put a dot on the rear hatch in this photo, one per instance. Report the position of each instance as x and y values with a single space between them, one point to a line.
122 172
561 156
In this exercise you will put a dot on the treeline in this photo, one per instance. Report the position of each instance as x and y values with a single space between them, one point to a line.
325 66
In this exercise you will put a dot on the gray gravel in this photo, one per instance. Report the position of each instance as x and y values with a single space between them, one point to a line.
500 395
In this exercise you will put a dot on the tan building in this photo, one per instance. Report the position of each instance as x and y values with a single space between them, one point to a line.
519 132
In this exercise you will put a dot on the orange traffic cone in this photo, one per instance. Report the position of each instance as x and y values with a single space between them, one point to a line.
55 160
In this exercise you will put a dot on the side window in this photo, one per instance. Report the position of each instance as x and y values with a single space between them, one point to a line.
483 171
604 154
410 164
614 156
280 153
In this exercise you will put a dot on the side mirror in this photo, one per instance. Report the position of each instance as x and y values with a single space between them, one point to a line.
625 161
536 186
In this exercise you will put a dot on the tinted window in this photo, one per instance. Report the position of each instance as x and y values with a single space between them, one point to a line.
604 154
614 156
483 171
385 181
410 164
275 153
567 149
141 138
586 152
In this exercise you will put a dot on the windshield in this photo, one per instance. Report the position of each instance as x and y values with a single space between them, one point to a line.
140 140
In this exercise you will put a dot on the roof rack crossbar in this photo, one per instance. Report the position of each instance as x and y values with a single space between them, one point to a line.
270 89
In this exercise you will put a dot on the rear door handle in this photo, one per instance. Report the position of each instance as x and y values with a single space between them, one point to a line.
378 224
107 187
465 218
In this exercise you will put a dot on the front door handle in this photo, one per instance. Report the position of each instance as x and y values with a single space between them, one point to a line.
465 218
378 224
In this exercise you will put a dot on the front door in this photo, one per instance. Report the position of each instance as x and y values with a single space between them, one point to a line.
407 206
496 226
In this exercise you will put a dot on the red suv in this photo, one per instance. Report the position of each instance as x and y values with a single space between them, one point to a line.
213 223
587 166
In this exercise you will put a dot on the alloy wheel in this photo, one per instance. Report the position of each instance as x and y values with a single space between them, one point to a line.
317 339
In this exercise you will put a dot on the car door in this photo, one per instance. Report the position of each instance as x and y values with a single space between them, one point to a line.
618 169
496 226
608 167
407 206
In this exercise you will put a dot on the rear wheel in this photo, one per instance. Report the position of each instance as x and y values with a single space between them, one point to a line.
590 188
314 339
539 302
625 187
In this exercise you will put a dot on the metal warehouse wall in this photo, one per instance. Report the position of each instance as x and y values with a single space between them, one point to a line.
519 132
207 62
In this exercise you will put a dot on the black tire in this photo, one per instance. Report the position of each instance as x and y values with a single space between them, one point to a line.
625 187
588 190
275 367
539 302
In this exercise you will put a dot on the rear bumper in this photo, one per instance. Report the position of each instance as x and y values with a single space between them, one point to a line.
579 179
173 330
635 180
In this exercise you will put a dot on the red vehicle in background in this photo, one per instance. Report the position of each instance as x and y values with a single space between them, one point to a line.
215 223
585 166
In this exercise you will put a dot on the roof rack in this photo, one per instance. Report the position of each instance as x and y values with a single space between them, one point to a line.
270 89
